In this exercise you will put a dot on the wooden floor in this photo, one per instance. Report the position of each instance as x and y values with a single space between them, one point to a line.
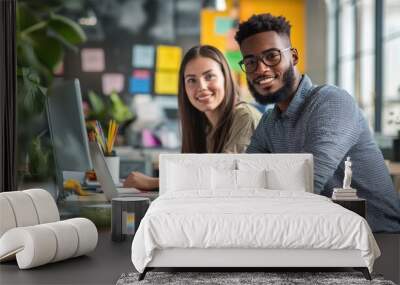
389 263
102 266
111 259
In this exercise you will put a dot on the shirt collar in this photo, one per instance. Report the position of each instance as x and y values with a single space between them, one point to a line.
295 106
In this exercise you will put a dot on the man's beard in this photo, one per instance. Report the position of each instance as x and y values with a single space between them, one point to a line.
281 94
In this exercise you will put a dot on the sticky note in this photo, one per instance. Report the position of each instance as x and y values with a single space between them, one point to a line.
233 58
141 73
143 56
222 25
140 82
148 139
168 57
166 82
92 59
112 82
139 85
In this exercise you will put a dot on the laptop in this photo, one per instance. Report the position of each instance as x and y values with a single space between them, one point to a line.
104 177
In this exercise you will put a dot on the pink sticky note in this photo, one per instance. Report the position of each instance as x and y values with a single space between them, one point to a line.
112 82
141 73
148 139
92 59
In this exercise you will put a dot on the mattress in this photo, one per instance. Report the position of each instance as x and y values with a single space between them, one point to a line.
250 219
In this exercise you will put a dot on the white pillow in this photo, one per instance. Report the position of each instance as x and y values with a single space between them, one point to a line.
251 178
281 174
224 179
183 177
293 179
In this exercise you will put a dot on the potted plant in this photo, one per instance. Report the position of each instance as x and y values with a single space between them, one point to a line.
42 36
111 112
104 108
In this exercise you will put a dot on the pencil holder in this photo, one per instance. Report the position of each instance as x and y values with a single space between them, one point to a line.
126 214
113 166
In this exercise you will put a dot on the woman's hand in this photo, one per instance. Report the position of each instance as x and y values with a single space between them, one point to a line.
140 181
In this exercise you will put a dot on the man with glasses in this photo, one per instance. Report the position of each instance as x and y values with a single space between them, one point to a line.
322 120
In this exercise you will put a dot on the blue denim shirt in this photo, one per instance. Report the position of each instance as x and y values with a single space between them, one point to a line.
329 124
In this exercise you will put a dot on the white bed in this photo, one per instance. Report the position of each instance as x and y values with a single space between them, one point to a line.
247 210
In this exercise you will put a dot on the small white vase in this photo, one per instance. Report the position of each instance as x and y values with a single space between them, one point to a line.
113 166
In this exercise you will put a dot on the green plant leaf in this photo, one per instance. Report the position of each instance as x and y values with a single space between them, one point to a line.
39 160
27 57
43 7
25 17
119 111
66 29
96 103
48 50
31 94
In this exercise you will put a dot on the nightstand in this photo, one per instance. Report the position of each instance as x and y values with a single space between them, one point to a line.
357 205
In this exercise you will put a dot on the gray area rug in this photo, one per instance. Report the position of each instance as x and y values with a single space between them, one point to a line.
229 278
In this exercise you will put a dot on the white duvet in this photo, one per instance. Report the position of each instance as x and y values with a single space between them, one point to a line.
253 218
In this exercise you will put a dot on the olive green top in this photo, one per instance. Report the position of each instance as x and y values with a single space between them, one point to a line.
245 121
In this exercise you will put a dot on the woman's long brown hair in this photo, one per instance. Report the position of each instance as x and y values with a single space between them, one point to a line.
194 122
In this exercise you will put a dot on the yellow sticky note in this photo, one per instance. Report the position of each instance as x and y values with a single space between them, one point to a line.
207 35
168 57
166 82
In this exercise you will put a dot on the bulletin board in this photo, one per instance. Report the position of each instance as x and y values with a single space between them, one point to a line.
134 47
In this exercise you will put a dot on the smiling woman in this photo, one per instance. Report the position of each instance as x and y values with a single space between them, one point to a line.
213 118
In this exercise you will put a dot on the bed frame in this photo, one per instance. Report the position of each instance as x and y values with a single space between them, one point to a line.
242 259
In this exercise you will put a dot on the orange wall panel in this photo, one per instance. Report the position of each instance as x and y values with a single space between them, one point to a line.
293 10
207 32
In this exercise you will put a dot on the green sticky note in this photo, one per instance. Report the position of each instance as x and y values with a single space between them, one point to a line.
223 25
233 58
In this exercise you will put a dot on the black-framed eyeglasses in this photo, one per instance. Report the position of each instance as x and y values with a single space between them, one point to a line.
269 57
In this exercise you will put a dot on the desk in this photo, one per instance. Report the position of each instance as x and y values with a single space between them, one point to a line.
95 207
394 171
101 198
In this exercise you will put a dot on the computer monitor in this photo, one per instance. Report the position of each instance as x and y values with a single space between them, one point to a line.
67 128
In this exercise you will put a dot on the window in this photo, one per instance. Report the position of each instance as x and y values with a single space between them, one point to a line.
365 66
356 57
347 46
391 63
